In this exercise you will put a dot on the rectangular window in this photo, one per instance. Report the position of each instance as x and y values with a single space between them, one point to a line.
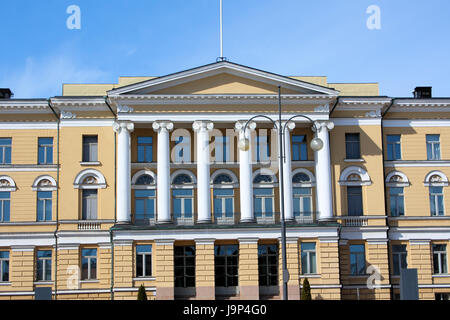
44 265
352 146
226 264
44 206
184 264
4 266
89 204
357 260
145 149
436 201
144 204
88 264
354 201
433 147
143 260
263 202
90 148
183 203
223 202
302 201
440 258
183 149
268 265
262 149
299 148
399 258
393 147
222 149
308 255
45 150
397 202
5 150
442 296
5 206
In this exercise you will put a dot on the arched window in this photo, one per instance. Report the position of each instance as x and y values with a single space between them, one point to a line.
302 183
264 182
183 183
7 185
44 185
354 178
144 185
89 181
223 184
396 181
436 181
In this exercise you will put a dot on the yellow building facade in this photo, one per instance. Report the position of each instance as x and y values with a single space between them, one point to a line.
146 182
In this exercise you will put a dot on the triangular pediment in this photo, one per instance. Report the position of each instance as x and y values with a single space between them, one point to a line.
222 78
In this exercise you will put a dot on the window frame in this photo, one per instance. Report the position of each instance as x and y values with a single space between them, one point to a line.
145 146
3 203
226 264
398 198
46 152
431 151
394 145
145 255
302 147
47 202
3 262
84 207
350 146
271 279
441 255
434 198
43 260
349 202
89 258
305 256
401 256
6 151
88 158
185 277
357 254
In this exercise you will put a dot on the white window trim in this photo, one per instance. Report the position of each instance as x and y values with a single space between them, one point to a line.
144 256
404 183
78 182
365 178
428 183
36 187
308 254
12 186
310 184
140 173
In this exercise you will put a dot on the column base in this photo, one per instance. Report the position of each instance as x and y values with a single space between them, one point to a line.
204 221
123 222
253 220
327 219
164 222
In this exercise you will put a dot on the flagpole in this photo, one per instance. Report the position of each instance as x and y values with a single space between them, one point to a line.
221 30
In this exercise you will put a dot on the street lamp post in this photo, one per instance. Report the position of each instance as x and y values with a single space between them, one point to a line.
316 145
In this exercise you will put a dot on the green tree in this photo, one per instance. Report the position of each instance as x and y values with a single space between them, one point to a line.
306 291
141 293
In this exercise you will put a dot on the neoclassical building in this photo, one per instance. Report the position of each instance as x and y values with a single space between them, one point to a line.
148 181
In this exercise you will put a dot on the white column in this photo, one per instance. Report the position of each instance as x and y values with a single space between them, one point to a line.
246 173
324 196
287 172
203 171
123 197
163 174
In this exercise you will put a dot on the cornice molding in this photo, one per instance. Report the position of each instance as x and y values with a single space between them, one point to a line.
290 99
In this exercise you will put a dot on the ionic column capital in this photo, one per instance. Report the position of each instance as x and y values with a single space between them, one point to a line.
202 125
162 125
123 125
239 125
322 125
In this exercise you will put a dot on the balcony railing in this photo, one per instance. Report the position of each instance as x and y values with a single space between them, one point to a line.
89 225
359 221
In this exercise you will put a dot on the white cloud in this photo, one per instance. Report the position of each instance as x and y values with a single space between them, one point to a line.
44 77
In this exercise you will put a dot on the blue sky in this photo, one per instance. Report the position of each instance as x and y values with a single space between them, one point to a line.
291 37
